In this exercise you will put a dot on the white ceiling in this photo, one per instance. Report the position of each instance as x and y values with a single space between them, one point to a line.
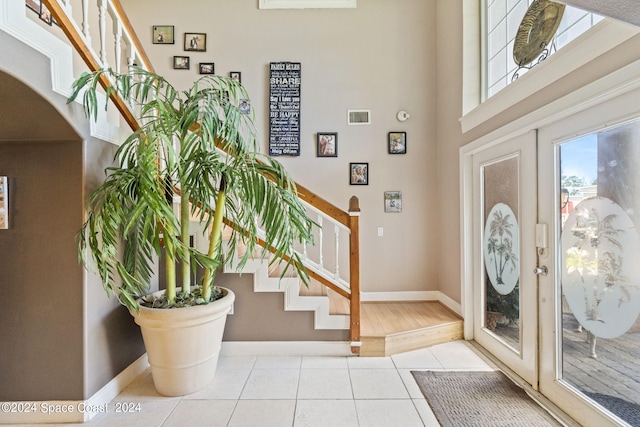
623 10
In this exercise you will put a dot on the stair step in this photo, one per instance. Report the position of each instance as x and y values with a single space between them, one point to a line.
396 327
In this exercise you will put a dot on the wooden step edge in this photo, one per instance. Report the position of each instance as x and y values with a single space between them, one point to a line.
402 342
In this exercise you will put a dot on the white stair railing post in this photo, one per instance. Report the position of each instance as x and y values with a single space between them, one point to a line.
336 234
102 25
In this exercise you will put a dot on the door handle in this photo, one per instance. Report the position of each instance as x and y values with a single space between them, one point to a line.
541 271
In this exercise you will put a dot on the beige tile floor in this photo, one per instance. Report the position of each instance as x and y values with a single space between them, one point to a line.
300 391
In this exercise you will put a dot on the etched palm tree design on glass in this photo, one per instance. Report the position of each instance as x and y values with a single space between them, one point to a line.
599 280
501 247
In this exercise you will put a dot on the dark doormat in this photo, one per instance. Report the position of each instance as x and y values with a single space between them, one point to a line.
480 399
628 411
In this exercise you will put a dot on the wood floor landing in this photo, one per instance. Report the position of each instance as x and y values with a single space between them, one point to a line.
389 328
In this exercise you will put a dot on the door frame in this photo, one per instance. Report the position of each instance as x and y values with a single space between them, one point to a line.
609 87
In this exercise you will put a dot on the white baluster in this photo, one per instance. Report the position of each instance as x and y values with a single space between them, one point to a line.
85 21
118 45
102 14
336 232
321 262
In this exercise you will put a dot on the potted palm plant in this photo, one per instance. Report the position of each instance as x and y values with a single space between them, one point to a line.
194 161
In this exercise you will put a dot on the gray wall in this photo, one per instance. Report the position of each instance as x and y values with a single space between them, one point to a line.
53 345
42 317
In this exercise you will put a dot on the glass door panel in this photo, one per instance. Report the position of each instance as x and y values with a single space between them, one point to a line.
501 250
599 268
504 284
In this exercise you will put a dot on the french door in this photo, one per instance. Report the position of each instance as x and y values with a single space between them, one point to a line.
589 187
504 253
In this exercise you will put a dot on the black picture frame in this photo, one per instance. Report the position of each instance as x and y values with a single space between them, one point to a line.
206 68
163 34
397 143
359 173
236 75
195 42
45 14
327 144
181 62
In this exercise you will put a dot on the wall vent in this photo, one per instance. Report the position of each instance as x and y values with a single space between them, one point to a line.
358 117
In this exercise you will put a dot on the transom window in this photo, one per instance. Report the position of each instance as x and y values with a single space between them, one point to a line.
501 21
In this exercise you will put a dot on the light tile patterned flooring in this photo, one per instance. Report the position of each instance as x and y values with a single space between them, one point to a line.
298 391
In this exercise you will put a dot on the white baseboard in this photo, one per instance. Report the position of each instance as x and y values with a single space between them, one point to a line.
72 411
114 387
286 348
400 296
452 305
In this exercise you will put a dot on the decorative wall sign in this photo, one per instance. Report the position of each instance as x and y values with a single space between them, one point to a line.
4 203
501 245
306 4
600 269
284 108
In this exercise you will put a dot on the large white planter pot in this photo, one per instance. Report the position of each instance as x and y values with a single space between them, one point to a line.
183 344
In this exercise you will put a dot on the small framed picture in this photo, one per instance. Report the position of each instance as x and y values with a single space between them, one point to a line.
327 144
359 173
196 42
45 14
163 34
397 143
236 75
4 203
206 68
180 62
393 201
245 106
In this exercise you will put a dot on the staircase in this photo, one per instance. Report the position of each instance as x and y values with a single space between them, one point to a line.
333 295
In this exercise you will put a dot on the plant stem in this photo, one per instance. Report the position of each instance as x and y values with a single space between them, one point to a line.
214 239
184 234
170 264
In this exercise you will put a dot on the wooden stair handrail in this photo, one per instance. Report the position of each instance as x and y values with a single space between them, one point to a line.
350 220
76 39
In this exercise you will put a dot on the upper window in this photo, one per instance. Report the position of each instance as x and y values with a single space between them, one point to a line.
502 19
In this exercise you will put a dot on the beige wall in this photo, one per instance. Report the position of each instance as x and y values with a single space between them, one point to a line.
450 137
380 56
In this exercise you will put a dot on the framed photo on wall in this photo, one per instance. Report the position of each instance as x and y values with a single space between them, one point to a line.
327 144
195 42
397 143
180 62
206 68
393 201
236 75
245 106
45 14
4 203
359 173
163 34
